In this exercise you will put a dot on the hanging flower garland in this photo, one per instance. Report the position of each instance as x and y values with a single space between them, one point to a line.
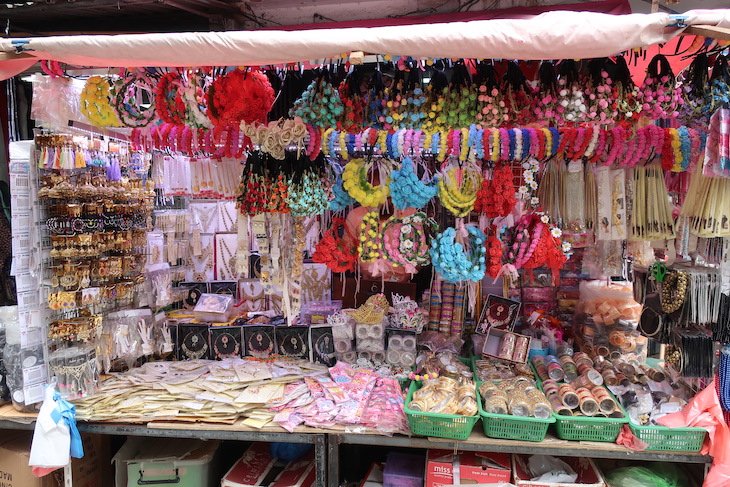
518 95
491 107
96 104
496 196
457 262
660 95
353 108
320 104
355 181
528 191
132 90
196 101
406 240
601 103
545 97
338 253
169 99
407 190
572 106
308 195
458 187
494 254
240 96
537 244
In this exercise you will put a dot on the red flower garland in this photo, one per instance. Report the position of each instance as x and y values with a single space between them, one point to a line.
240 96
339 254
494 255
496 197
169 98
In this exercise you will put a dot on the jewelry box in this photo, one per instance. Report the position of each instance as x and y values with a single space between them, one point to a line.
214 307
226 342
225 287
322 345
193 342
498 312
195 290
293 341
259 340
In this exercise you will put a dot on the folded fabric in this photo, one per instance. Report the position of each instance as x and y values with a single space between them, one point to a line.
628 439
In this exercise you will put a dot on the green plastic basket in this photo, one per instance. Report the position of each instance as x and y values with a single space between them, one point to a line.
508 427
661 438
585 428
450 426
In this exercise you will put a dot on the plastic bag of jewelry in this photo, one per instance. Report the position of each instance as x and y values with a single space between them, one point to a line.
159 281
125 329
439 342
75 369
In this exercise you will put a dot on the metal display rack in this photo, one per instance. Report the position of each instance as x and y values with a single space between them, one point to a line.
327 444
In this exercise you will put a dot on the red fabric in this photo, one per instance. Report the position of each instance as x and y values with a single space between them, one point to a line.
613 7
628 439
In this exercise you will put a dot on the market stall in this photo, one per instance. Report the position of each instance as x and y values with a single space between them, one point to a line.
386 236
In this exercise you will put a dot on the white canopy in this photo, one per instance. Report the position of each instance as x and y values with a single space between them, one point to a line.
551 35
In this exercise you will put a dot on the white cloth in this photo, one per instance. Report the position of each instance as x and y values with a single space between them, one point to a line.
51 440
551 35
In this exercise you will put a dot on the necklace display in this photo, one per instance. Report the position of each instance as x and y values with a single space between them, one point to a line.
674 291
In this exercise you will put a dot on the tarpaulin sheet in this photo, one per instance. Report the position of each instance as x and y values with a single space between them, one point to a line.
550 35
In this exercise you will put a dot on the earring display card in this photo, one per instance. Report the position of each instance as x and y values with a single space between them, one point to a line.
193 342
316 283
293 341
195 290
322 345
498 312
259 341
225 287
226 341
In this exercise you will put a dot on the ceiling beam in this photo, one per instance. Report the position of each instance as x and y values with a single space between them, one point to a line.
187 7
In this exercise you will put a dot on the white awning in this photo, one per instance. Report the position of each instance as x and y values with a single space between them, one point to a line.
551 35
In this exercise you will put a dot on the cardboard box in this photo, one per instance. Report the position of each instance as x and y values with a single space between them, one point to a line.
91 471
251 469
472 468
297 474
588 474
257 468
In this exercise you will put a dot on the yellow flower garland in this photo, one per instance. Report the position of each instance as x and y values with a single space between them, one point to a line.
459 198
370 245
355 181
95 103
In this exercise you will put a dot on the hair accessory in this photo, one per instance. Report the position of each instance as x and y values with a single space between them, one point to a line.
95 103
128 96
407 190
355 181
338 253
458 187
457 262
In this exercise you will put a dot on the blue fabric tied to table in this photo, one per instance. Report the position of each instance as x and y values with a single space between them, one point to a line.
65 411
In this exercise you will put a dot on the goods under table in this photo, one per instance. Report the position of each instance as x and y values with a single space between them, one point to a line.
327 442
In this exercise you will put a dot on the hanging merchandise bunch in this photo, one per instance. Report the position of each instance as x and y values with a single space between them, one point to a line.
320 104
407 190
169 98
459 261
240 96
96 103
355 179
133 91
660 95
496 196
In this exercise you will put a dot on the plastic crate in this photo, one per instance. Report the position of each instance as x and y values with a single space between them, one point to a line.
585 428
662 438
508 427
450 426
